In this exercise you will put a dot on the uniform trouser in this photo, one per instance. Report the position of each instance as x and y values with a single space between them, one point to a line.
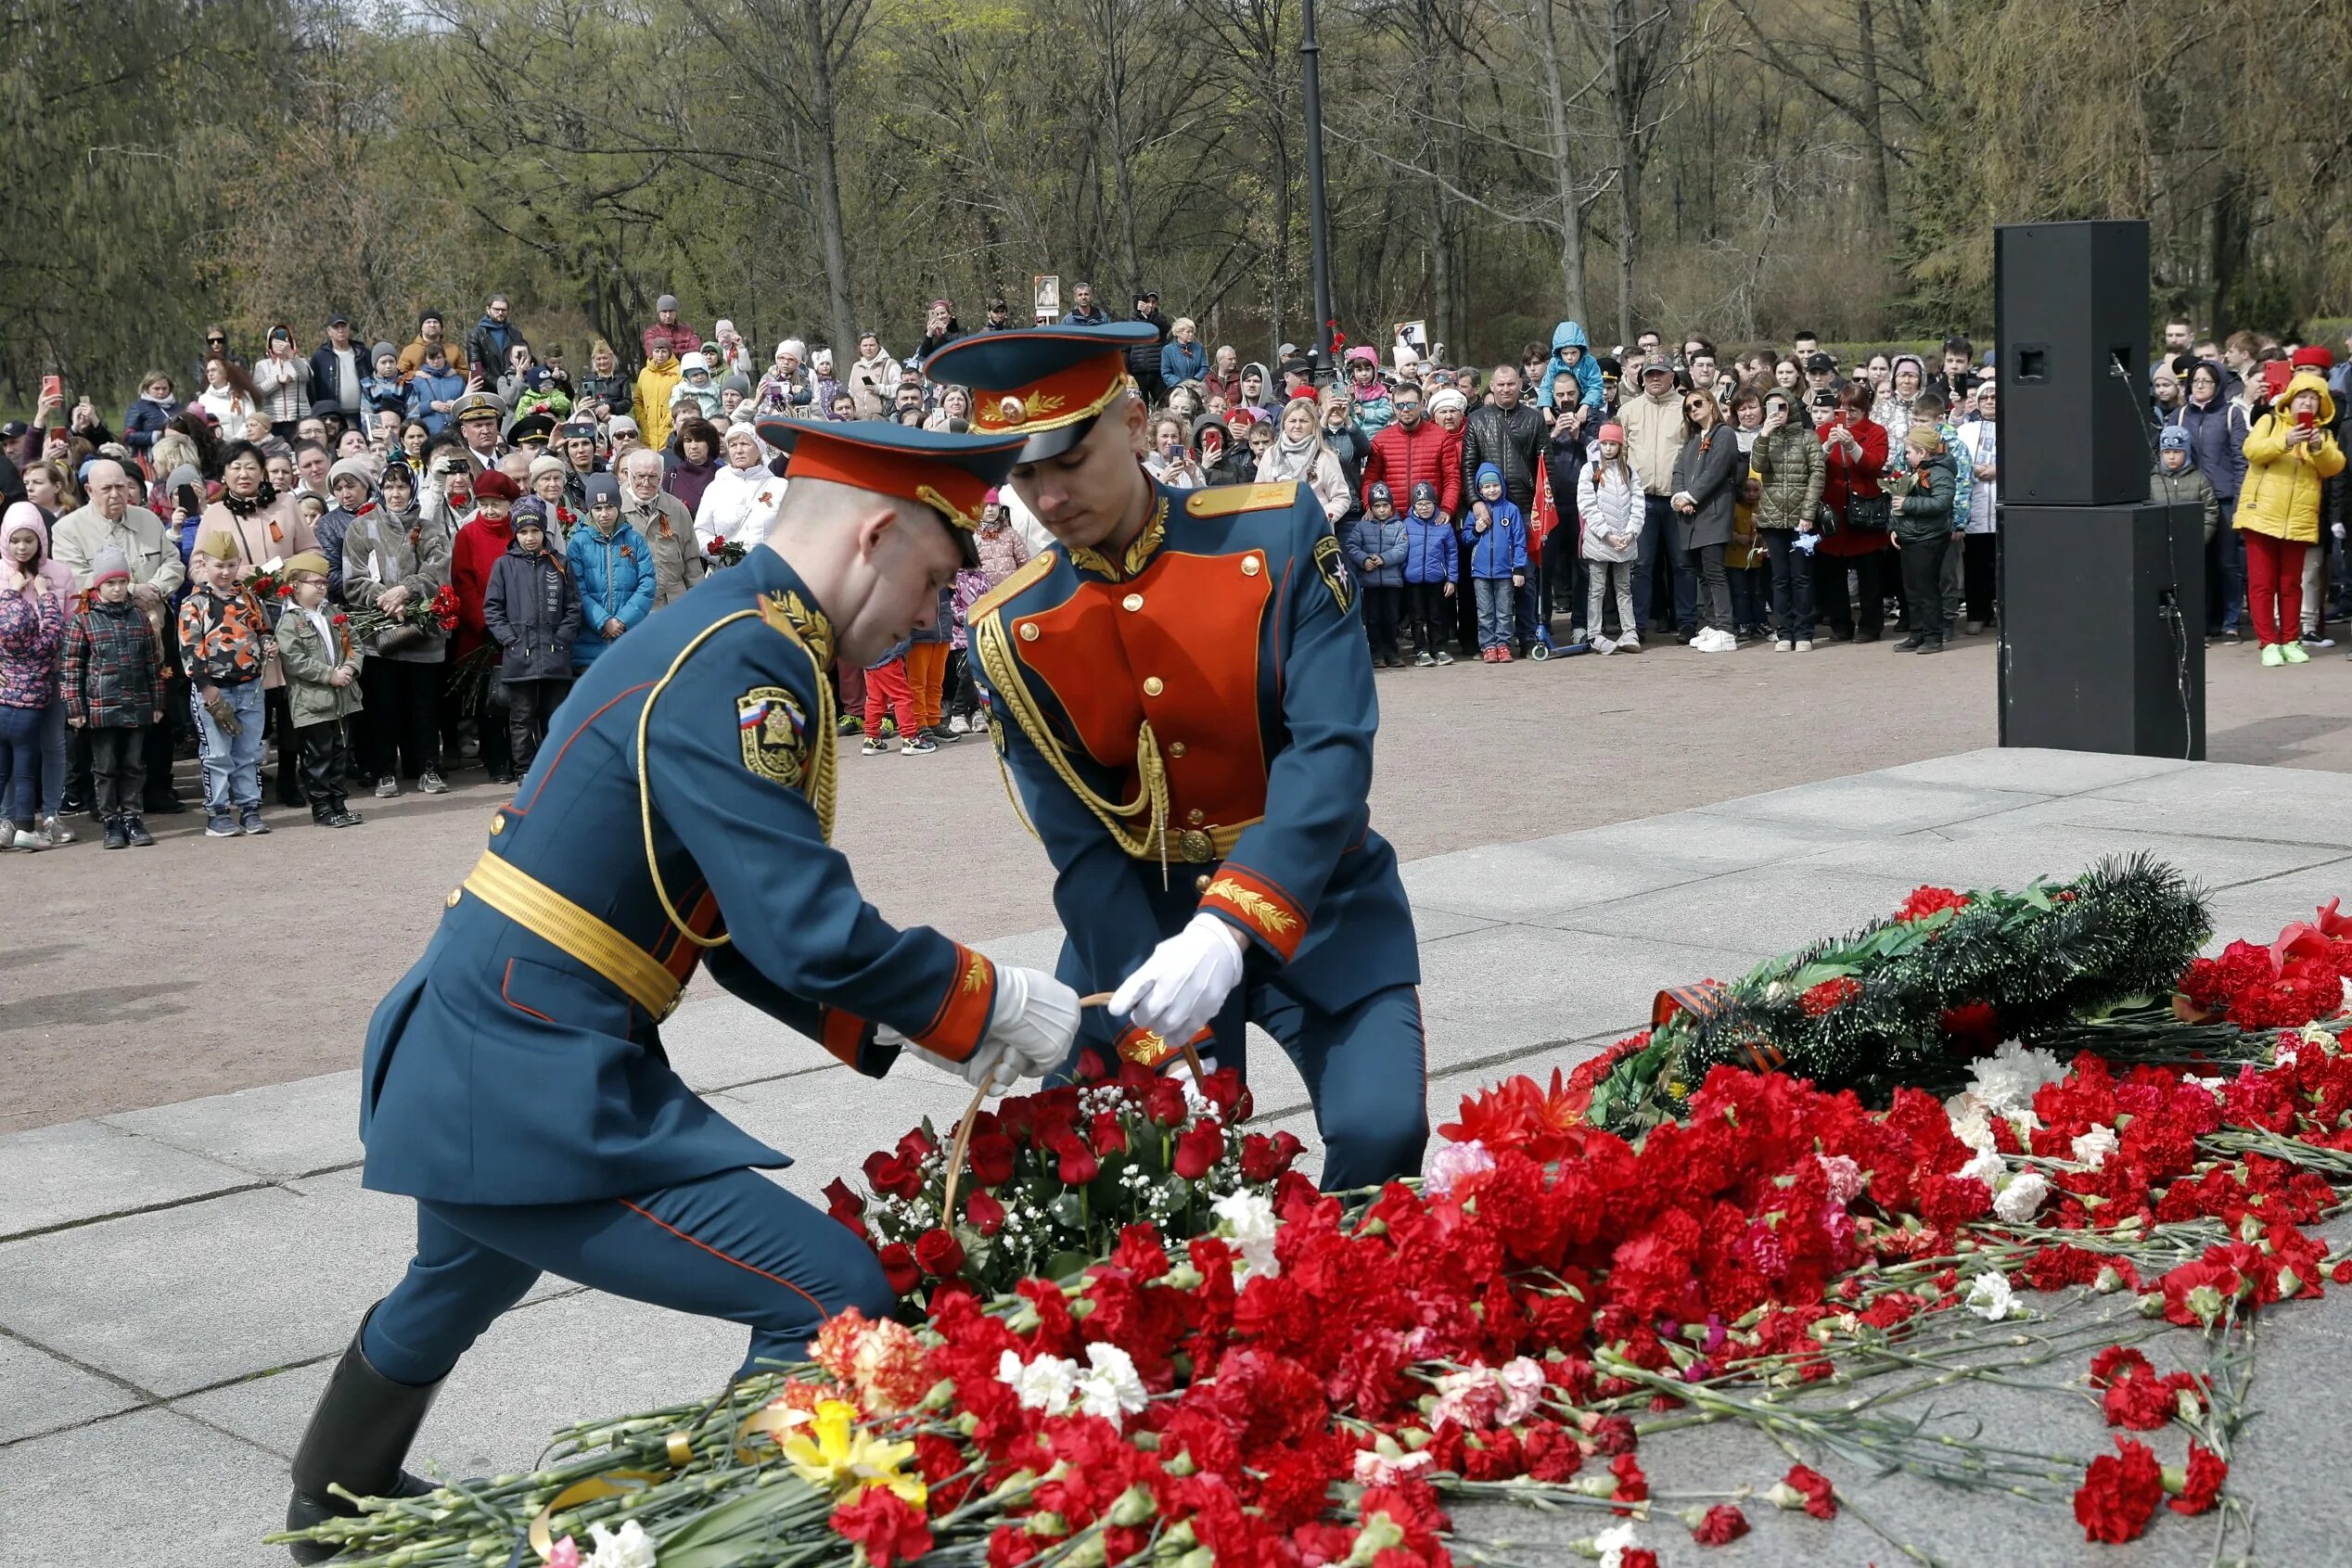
926 679
1792 585
1363 1065
118 771
732 1245
1381 603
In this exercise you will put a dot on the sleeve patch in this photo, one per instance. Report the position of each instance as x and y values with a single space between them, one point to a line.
773 728
1334 573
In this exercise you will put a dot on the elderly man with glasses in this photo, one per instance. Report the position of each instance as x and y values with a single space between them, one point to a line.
113 517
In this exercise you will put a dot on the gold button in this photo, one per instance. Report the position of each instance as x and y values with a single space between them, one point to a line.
497 825
1175 749
455 894
1132 602
1193 817
1200 883
1249 566
1029 631
1152 687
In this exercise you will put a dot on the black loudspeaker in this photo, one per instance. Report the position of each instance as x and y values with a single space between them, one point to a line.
2071 317
2102 628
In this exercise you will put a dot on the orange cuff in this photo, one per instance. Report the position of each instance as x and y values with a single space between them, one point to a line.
955 1029
1257 906
1148 1050
845 1035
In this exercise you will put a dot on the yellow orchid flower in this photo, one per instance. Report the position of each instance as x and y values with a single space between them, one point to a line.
830 1452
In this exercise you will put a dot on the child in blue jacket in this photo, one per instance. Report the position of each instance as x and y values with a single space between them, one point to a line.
1432 561
1375 545
1571 361
613 565
1499 564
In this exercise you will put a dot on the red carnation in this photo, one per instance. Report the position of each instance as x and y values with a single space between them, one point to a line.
2142 1403
1925 901
1820 1497
1634 1557
1199 1151
2120 1493
898 1267
1632 1486
938 1253
2201 1483
887 1528
984 1213
1721 1526
2116 1362
1829 995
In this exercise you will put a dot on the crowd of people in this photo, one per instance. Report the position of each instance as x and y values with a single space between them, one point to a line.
389 560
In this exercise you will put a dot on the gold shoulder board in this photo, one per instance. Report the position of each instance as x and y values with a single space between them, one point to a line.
1029 571
1223 501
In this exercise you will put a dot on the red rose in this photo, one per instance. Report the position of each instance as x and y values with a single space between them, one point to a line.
1721 1526
1199 1151
1077 1163
2120 1493
938 1253
1165 1103
2201 1483
839 1200
892 1176
885 1526
1263 1158
984 1213
898 1267
992 1155
1108 1135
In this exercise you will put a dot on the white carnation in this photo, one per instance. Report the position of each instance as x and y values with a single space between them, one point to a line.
1614 1543
2092 1149
1248 1219
2022 1198
629 1547
1110 1387
1048 1383
1992 1299
1984 1166
2005 1081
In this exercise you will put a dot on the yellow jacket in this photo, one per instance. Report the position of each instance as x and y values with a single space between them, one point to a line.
654 385
2281 493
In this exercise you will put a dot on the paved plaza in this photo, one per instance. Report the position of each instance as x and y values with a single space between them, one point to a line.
175 1280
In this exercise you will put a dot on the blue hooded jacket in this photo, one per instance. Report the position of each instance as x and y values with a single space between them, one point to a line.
1383 537
1587 373
1503 549
1433 550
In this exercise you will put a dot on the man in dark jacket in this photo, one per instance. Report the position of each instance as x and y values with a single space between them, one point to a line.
1143 360
1510 435
532 607
1083 311
337 366
492 338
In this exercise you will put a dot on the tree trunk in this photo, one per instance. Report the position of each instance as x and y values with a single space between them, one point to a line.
832 239
1555 115
1882 206
1114 90
1628 165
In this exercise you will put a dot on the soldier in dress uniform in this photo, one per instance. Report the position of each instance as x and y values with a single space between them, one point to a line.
1182 689
679 814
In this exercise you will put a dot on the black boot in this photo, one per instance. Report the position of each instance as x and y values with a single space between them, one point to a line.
357 1438
117 836
136 832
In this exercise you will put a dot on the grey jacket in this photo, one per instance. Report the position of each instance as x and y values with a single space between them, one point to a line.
377 555
1710 470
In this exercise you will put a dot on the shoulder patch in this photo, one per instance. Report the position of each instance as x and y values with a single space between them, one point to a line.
788 612
773 728
1334 572
1028 572
1223 501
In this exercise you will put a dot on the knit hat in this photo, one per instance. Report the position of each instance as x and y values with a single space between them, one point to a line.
351 469
108 564
603 488
739 380
794 347
667 302
530 513
1379 493
219 545
545 462
2311 356
1424 491
496 486
1447 397
2173 439
398 469
1612 431
307 561
621 425
381 350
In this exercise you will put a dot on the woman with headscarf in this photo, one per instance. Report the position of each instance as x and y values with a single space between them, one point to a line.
1893 409
1299 453
738 501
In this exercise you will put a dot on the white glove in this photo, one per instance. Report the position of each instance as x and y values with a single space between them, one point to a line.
1179 989
1028 1033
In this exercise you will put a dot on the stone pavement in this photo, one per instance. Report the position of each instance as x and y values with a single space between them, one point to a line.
174 1282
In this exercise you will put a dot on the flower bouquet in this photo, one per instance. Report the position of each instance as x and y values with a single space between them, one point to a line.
416 619
724 551
1308 1380
269 585
1056 1177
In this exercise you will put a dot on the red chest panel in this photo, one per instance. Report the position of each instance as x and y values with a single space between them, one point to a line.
1179 645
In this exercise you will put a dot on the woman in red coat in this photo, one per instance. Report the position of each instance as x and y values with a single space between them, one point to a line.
1855 447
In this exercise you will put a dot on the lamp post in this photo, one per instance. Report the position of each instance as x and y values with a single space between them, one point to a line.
1318 219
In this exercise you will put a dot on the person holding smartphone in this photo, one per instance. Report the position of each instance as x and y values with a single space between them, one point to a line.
2291 453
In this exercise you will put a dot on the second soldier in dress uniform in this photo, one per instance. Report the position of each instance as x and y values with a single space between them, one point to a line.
680 814
1182 689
